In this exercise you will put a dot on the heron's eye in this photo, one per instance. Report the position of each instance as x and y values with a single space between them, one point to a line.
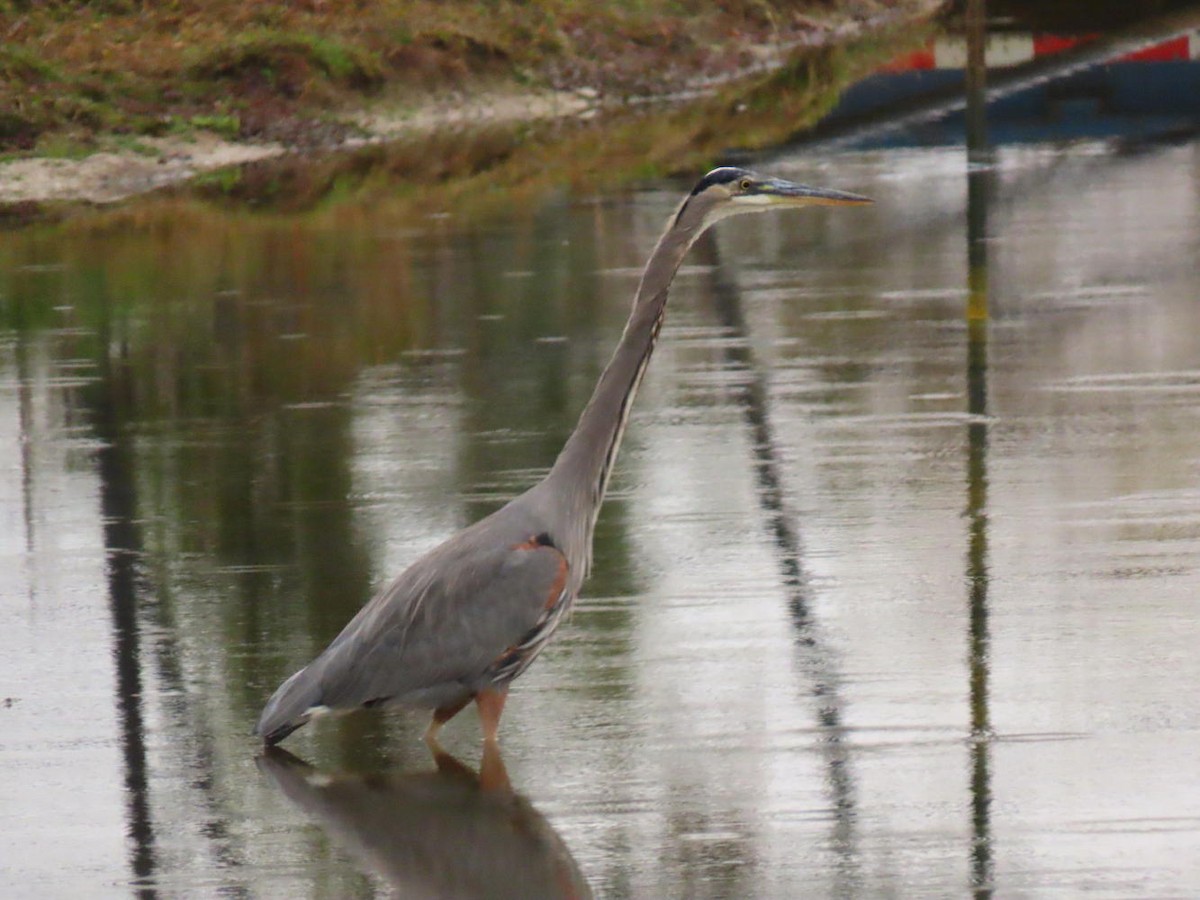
745 184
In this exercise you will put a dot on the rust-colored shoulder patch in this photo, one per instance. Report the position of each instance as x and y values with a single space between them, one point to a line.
560 582
516 657
544 541
537 541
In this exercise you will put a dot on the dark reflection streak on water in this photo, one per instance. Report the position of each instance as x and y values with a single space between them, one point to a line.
977 582
25 415
202 744
979 191
815 657
122 544
1010 81
201 741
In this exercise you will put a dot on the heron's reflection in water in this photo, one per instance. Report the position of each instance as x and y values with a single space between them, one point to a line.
448 833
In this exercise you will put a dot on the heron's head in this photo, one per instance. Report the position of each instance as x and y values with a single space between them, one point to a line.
728 191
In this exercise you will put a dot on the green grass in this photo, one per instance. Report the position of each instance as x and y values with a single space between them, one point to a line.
274 54
23 64
284 70
226 125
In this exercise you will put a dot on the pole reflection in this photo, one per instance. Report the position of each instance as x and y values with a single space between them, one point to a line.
122 546
138 606
25 425
445 833
979 187
814 655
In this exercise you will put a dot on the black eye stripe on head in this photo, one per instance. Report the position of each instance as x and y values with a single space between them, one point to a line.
723 175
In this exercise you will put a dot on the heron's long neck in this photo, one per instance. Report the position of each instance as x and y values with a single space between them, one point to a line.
580 475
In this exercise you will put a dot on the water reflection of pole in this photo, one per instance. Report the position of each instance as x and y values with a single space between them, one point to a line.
122 548
814 656
127 584
26 426
979 176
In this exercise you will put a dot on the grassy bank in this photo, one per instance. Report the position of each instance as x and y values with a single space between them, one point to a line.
467 173
75 72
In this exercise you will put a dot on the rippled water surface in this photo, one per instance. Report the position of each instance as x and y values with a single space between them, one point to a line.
895 591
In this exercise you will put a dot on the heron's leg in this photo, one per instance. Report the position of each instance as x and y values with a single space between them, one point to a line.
493 776
441 716
491 705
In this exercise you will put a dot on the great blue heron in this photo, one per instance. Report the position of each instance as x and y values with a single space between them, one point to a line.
470 615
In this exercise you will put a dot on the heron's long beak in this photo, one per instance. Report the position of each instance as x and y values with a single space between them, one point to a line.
787 193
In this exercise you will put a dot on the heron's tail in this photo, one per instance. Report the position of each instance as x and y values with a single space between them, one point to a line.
290 707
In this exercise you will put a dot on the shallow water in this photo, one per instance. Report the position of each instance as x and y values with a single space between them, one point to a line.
895 589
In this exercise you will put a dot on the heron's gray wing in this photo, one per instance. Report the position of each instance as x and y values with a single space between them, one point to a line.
445 620
436 629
